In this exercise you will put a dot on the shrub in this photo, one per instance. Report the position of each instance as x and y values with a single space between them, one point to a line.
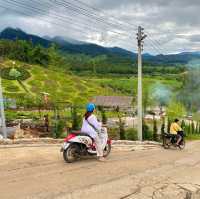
14 73
76 119
103 115
131 134
192 128
155 130
17 73
113 133
147 133
58 128
163 128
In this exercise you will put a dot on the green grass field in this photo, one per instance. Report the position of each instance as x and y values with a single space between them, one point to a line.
62 86
128 86
66 87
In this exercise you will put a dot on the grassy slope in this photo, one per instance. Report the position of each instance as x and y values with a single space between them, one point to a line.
61 86
129 86
66 87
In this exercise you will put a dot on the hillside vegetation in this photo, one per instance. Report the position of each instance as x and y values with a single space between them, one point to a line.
68 88
38 69
62 86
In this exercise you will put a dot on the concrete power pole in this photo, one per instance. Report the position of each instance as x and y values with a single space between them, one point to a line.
140 38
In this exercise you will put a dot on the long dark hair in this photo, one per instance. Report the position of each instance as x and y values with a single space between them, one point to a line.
87 115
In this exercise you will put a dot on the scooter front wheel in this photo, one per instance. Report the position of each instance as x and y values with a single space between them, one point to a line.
182 145
107 150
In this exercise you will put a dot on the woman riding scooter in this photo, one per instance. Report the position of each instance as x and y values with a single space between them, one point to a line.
91 127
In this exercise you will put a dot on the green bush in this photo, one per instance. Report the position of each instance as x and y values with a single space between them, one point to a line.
76 119
10 115
147 133
131 134
155 130
113 133
58 128
6 74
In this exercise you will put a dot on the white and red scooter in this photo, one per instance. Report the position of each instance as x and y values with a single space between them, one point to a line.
77 145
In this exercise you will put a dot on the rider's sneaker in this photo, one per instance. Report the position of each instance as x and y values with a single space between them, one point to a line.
177 145
101 159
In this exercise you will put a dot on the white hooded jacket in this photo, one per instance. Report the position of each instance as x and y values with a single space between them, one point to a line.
88 129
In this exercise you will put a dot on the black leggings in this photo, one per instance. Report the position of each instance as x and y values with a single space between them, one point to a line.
180 133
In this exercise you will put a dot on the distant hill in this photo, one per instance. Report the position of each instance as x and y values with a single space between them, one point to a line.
69 45
62 40
13 34
66 44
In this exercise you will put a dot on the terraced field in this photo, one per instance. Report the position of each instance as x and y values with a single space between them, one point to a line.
62 86
65 87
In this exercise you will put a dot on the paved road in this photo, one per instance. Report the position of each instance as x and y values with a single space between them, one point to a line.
35 173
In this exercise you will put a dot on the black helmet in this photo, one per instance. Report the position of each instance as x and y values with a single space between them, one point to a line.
176 120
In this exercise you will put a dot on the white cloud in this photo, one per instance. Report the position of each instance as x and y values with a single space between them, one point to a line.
169 22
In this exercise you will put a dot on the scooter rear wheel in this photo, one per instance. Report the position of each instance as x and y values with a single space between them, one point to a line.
71 153
166 143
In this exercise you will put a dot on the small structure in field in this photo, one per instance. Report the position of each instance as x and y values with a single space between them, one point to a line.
122 102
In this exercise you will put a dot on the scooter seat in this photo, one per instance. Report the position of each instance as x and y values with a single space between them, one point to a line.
79 133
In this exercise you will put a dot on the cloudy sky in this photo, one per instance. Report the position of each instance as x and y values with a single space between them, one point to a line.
172 26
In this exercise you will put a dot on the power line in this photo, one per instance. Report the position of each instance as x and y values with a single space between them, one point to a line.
33 9
84 11
48 21
158 49
41 11
154 42
98 11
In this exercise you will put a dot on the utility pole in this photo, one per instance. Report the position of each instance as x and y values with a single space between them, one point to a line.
140 38
2 113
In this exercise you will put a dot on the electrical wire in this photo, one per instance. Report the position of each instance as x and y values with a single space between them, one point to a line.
46 20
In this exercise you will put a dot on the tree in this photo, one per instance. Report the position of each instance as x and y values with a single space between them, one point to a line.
163 127
121 125
40 56
168 124
189 128
103 115
75 118
155 130
192 128
146 133
183 124
189 93
95 61
199 128
175 110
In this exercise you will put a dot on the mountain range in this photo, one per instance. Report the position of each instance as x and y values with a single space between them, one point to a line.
70 45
